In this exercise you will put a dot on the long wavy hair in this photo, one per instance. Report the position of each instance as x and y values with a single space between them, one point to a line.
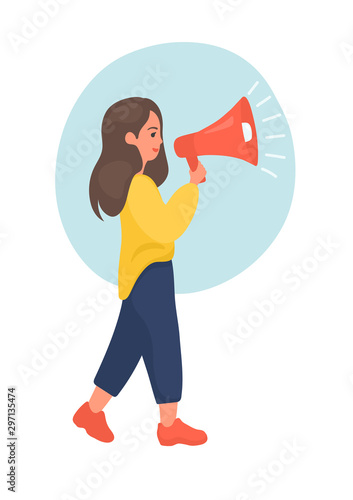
119 161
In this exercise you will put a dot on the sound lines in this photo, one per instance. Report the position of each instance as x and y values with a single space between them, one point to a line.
263 102
253 88
271 117
270 155
269 172
279 136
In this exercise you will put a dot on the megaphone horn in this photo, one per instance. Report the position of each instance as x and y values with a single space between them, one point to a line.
232 135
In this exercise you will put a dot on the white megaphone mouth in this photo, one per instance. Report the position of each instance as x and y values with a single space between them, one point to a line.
247 131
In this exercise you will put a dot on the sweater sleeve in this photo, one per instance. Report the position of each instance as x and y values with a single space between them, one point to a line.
162 222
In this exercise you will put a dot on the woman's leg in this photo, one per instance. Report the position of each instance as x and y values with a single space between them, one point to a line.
99 399
168 413
120 360
154 301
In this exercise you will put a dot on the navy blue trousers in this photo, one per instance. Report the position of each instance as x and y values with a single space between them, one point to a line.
147 327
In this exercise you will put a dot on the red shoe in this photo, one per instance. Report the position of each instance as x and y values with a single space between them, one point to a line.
181 433
95 423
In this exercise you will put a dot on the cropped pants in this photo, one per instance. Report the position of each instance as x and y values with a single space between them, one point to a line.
147 327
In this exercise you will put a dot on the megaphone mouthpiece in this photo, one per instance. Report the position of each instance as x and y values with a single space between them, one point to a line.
186 143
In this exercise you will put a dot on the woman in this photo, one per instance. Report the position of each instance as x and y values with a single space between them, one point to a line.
125 181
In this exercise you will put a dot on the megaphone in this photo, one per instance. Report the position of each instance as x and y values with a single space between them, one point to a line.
232 135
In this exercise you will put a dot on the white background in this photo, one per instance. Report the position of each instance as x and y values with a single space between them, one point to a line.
290 380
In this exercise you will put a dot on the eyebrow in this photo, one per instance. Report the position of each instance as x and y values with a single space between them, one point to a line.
152 127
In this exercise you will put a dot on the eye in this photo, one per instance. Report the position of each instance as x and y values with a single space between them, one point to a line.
153 134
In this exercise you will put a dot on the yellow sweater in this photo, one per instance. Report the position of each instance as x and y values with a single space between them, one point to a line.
149 227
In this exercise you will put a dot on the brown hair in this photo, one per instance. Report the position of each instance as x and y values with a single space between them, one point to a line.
119 161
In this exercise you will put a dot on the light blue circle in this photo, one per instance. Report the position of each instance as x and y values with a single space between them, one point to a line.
241 207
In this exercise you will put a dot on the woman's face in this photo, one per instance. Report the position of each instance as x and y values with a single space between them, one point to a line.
149 139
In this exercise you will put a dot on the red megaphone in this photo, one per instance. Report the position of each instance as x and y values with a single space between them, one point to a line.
232 135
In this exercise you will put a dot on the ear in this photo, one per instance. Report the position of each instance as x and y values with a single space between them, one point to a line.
130 138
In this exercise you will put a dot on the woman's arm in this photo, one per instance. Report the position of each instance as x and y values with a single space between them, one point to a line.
161 222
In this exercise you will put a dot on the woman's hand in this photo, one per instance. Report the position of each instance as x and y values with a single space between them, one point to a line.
198 175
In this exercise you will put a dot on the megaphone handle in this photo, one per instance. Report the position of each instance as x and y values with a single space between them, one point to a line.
193 161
